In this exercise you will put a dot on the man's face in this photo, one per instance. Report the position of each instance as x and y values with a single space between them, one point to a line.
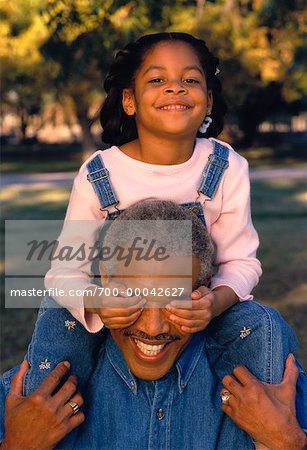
153 343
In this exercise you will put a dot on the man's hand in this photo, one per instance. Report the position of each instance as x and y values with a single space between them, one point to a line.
115 312
196 317
41 420
266 411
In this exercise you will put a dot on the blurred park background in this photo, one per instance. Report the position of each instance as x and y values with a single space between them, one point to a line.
54 55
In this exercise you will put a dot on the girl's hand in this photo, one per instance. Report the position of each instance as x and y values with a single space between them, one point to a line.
115 312
41 420
265 411
194 317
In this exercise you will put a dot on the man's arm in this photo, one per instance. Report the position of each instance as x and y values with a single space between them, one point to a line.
41 420
266 411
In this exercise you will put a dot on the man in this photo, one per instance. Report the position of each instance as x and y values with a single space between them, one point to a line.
154 386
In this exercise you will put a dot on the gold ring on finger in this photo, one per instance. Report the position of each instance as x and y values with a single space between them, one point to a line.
225 396
75 407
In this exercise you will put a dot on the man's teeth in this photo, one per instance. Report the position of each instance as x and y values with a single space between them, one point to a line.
175 107
149 350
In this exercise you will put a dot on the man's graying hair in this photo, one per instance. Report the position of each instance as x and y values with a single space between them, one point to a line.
170 233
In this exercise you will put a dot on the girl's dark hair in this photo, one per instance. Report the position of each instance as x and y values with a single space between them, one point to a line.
118 127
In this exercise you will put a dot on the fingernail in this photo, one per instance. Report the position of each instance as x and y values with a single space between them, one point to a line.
66 364
292 357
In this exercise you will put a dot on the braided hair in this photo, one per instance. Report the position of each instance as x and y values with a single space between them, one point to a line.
120 128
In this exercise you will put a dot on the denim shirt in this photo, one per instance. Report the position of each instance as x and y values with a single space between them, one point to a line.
180 411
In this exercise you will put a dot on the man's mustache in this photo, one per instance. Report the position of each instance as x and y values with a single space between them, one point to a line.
158 337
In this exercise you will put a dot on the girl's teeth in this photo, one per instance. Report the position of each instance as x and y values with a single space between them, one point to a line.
174 107
149 350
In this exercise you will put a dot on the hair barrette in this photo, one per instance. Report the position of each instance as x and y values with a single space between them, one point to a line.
217 71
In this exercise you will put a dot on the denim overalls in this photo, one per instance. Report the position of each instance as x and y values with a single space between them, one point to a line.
248 333
212 175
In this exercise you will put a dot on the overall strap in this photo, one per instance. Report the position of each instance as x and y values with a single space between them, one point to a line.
213 172
98 175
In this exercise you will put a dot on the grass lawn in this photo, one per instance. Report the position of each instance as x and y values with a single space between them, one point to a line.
279 212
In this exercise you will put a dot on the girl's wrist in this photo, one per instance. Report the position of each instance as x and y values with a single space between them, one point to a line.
224 298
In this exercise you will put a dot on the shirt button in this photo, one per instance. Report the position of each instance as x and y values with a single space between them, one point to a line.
160 414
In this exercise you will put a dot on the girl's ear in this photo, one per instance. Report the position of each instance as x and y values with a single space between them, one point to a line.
128 102
209 101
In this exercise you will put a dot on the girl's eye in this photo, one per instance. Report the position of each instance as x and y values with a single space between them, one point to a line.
190 80
156 80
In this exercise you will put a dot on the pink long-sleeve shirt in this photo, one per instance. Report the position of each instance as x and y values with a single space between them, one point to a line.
227 216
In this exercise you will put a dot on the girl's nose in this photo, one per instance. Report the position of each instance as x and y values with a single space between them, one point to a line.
175 87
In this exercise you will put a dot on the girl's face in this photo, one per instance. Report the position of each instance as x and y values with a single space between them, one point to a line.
170 96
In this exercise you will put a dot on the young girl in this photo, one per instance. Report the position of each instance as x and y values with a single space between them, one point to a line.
163 109
162 112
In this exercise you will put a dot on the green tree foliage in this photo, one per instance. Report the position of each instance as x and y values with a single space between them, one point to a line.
67 46
85 35
261 47
25 77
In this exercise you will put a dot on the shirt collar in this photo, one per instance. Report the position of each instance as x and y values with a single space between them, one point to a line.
118 362
185 365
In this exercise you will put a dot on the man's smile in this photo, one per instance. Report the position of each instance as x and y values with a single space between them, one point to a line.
149 352
149 346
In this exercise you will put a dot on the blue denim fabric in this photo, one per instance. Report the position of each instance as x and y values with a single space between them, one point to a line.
121 411
58 336
214 170
263 351
189 396
301 397
99 177
180 411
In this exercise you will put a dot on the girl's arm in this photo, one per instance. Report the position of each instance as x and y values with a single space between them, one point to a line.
68 279
224 298
234 234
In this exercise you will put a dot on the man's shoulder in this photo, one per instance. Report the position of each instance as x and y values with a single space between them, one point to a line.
251 334
242 313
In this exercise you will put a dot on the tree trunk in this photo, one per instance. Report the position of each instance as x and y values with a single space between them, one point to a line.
199 7
250 116
87 139
249 130
23 126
